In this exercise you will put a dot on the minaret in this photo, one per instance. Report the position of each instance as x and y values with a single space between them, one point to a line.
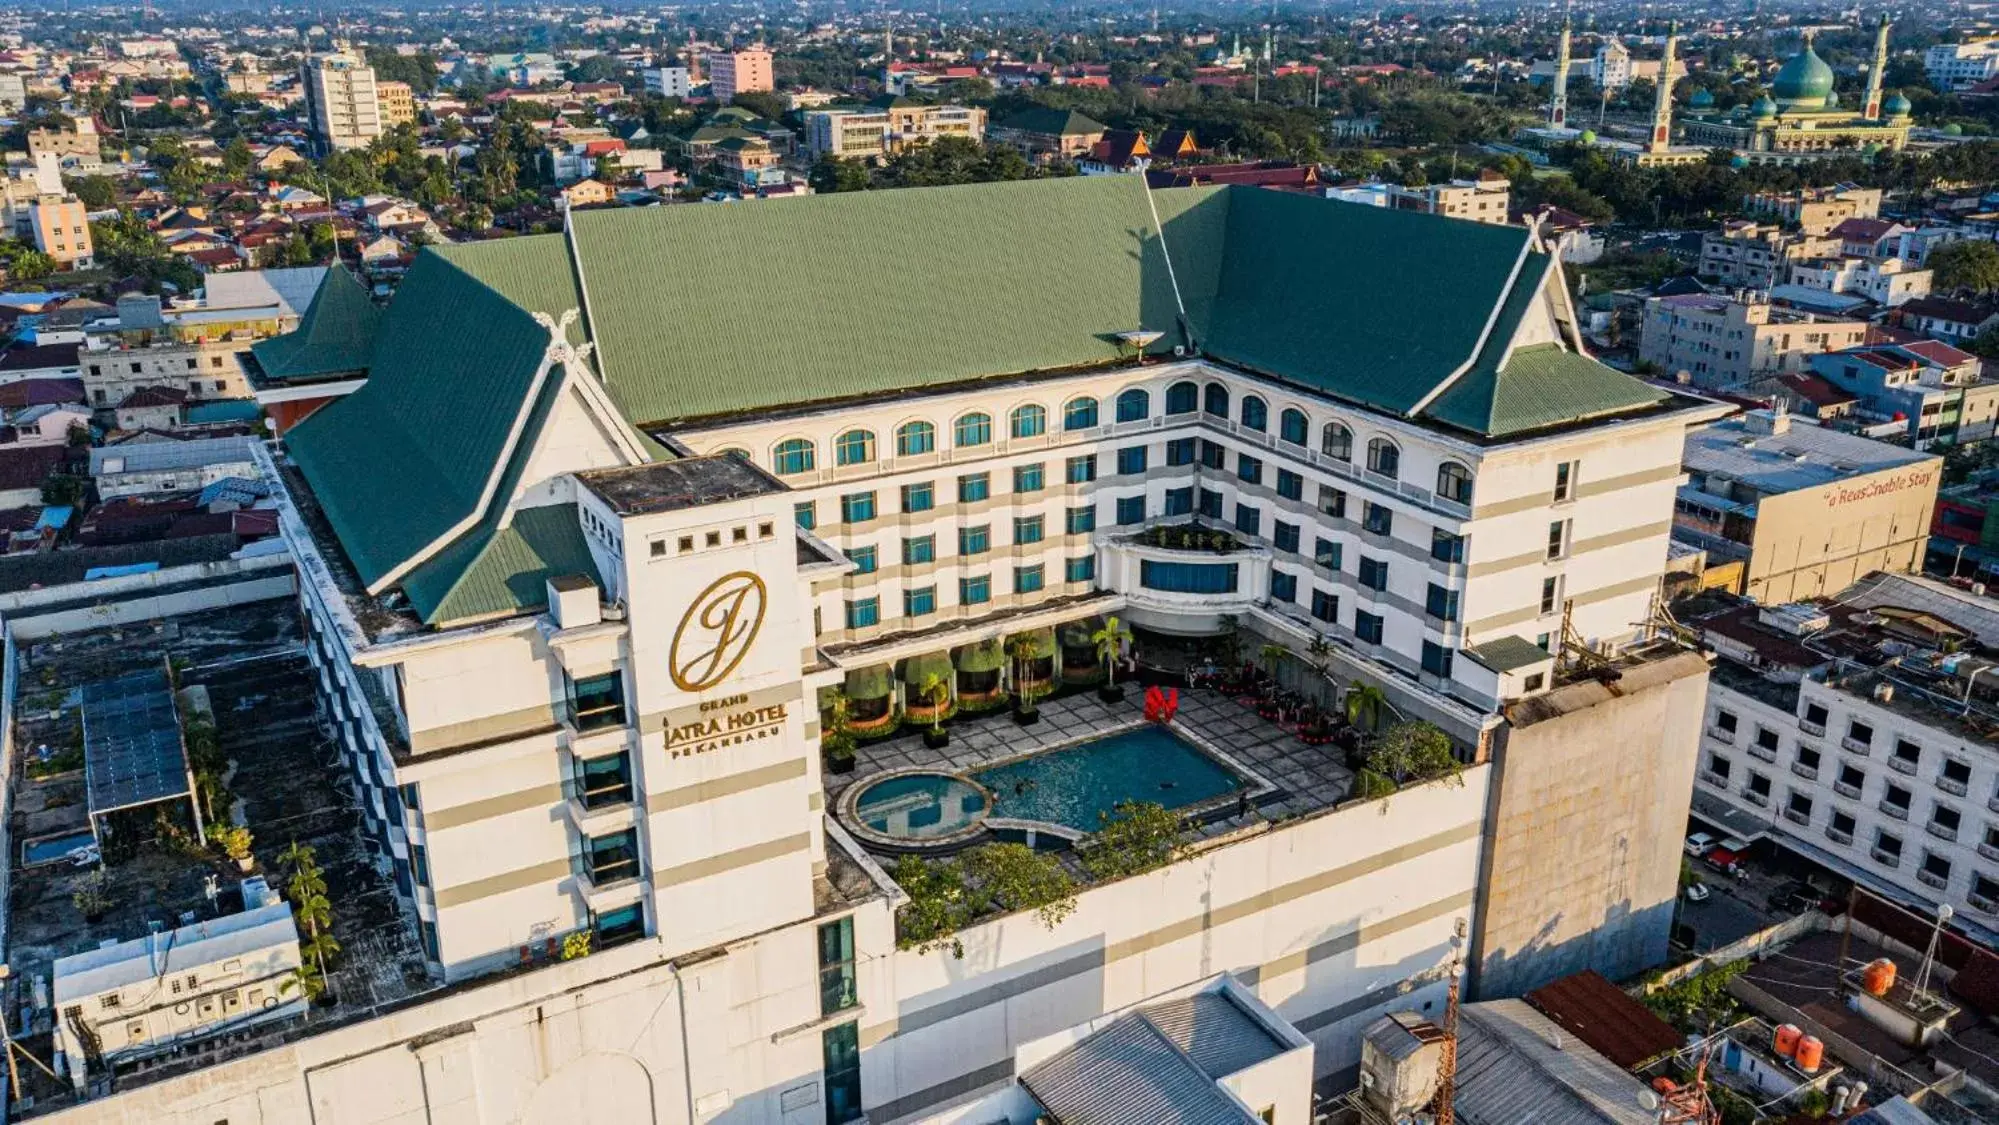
1662 106
1879 75
1558 109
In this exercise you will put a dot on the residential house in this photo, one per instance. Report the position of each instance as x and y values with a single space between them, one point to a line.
1935 388
1885 281
151 408
1815 398
1758 255
1049 134
1870 238
1575 238
45 424
1816 211
585 193
749 162
1718 342
23 471
1952 321
1120 150
170 466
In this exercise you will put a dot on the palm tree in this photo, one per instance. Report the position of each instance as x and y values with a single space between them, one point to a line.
934 692
1365 705
1109 641
1020 649
1272 656
307 889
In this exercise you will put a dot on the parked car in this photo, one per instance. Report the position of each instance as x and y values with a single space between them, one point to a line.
1724 861
1795 898
1698 892
1698 844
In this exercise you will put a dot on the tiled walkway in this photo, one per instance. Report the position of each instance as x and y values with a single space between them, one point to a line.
1308 778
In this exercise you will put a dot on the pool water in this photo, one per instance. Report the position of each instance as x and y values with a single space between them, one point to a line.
48 849
1078 785
920 806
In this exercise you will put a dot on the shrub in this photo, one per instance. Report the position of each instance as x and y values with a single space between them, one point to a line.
1138 836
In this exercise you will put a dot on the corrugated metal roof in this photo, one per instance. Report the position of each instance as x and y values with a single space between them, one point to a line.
1216 1034
1511 1071
1604 1016
1129 1073
154 456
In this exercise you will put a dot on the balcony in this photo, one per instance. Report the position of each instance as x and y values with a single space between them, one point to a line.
1809 773
1760 800
1886 858
1850 792
1955 788
1982 904
1989 851
1931 879
1941 831
1894 812
1714 780
1726 737
1811 728
1856 746
1837 836
1902 765
1767 753
1796 817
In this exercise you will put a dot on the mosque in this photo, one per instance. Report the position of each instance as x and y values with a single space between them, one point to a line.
1800 118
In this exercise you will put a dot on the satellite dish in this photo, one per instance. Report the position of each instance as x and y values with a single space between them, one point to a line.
1647 1099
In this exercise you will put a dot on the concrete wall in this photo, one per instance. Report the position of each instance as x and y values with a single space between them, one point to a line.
1816 542
33 614
1584 831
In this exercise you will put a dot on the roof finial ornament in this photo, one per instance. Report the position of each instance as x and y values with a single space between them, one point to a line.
560 350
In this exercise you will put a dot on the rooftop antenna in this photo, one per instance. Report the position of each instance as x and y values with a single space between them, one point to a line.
1447 1067
1166 252
1922 985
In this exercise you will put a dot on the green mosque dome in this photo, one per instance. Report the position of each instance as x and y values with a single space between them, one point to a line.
1897 106
1764 107
1701 100
1804 81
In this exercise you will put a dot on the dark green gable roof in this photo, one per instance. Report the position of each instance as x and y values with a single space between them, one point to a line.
703 311
333 338
1053 122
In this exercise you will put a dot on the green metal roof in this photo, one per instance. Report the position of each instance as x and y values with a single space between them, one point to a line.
701 311
334 337
502 571
1508 654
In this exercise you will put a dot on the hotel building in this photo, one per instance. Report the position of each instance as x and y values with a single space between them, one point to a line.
580 558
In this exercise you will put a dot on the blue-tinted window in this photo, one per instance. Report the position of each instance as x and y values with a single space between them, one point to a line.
1182 451
864 612
1187 578
1373 573
913 438
1028 579
1284 536
1028 478
1367 627
1283 587
1216 400
973 429
1083 568
1249 469
806 513
919 549
975 591
1028 421
1180 501
863 559
1290 485
1079 414
1028 529
919 602
919 497
1131 460
1255 415
1211 503
857 507
1378 519
1248 520
1214 454
1326 606
1080 520
1326 553
973 487
1130 510
794 456
1441 603
1436 659
1182 398
855 447
1082 470
1292 426
1133 405
975 540
1445 547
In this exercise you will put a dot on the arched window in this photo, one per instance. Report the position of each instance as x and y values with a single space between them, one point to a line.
1336 441
1217 400
793 456
912 438
1080 414
1182 398
732 451
1384 458
1134 405
1028 421
973 429
1293 426
855 447
1255 414
1454 482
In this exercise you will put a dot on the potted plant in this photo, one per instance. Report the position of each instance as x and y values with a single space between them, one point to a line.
235 841
1022 649
935 693
91 897
1110 641
836 737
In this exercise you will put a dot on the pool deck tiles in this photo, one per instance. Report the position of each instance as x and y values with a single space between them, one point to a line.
1309 778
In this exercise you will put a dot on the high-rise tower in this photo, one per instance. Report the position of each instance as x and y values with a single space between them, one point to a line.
1558 108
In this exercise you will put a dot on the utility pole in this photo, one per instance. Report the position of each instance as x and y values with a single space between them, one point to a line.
1447 1067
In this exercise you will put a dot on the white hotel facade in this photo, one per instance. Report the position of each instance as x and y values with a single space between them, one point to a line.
579 555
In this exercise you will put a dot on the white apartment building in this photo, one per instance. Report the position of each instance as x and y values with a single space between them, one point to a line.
342 107
1884 775
1721 342
1888 282
1958 66
575 666
666 81
887 126
1758 256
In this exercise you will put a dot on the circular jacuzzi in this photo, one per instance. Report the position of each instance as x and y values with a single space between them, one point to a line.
916 808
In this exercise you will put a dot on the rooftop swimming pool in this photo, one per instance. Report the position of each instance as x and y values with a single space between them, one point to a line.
1072 787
